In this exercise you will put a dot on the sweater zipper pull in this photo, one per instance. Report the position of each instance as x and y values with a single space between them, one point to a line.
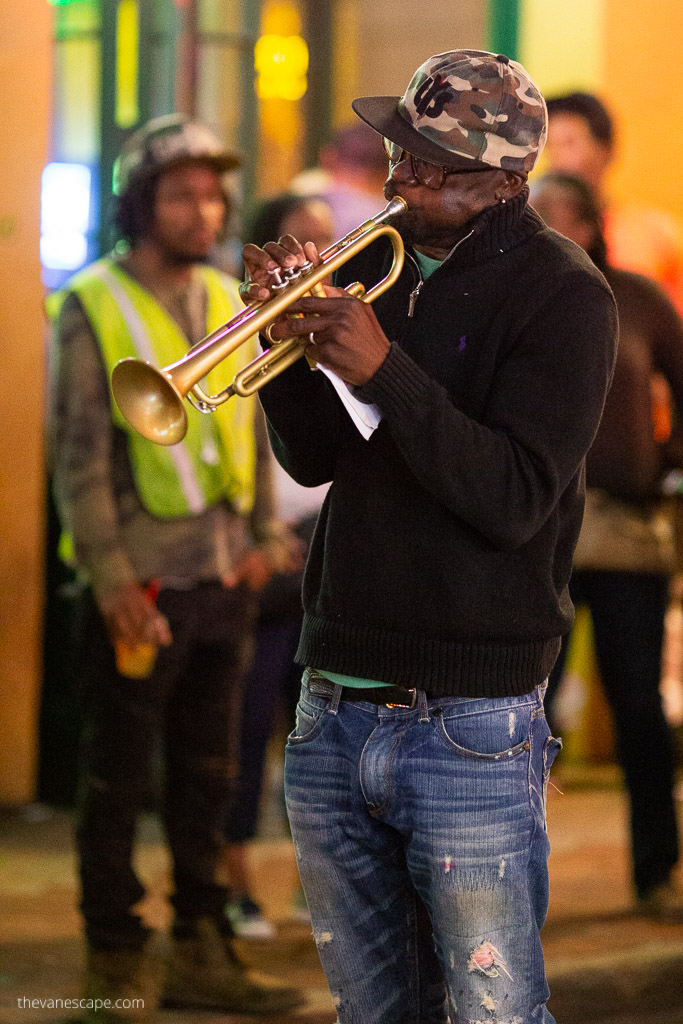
413 298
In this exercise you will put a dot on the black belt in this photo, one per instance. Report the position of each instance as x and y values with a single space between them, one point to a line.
391 696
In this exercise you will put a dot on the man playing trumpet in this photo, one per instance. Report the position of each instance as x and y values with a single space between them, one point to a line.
435 593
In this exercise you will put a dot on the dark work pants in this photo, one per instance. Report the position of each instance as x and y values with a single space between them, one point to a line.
628 612
190 703
272 687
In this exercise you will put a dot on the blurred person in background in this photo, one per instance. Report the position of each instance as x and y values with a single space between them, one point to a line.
435 591
173 543
350 177
625 557
273 683
581 143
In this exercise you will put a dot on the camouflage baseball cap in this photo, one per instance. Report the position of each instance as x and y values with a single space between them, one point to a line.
464 108
164 142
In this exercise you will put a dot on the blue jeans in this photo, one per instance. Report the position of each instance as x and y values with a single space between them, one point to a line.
421 843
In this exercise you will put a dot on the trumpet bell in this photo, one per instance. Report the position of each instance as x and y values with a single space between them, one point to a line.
150 401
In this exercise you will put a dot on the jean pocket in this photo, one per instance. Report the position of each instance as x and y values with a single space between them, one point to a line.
496 736
551 749
309 721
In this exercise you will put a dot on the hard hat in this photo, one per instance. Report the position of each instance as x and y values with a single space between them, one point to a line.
164 142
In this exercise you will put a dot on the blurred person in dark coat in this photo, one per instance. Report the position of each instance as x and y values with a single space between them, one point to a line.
641 238
625 556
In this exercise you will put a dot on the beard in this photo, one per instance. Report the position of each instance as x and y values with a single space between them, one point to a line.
185 257
412 226
181 250
418 226
407 224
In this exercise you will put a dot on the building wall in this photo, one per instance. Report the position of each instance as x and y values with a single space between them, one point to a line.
388 39
562 45
641 84
619 50
24 110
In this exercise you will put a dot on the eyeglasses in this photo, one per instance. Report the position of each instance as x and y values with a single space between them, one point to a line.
430 175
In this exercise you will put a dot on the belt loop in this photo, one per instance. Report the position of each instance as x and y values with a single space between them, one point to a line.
336 697
422 704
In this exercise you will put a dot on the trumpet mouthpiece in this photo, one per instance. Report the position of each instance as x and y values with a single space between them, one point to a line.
149 401
392 209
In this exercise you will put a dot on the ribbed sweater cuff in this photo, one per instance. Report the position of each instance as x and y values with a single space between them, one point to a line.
398 386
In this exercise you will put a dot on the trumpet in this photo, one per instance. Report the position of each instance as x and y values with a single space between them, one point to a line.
151 399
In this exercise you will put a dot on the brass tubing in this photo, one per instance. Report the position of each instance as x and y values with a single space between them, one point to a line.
152 399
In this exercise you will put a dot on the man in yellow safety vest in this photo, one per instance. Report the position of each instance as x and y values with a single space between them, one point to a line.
172 542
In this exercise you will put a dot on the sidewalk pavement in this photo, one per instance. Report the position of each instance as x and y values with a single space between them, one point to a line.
604 963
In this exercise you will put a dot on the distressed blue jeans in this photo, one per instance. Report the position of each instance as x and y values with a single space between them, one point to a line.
421 843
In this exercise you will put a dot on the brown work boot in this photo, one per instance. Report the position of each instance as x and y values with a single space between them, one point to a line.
122 986
204 973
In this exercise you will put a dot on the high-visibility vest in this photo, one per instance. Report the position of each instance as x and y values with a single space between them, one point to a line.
217 457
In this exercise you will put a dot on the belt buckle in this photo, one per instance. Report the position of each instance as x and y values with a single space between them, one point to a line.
412 703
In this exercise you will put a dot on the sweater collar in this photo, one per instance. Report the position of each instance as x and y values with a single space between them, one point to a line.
497 229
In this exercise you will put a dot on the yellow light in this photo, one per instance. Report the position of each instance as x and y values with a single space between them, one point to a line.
280 17
281 63
127 32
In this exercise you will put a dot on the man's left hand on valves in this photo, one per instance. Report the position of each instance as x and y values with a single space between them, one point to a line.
346 335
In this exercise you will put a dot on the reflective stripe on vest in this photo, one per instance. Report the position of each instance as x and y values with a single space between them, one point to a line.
217 457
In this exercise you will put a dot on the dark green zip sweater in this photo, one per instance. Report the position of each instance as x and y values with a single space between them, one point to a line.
444 547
